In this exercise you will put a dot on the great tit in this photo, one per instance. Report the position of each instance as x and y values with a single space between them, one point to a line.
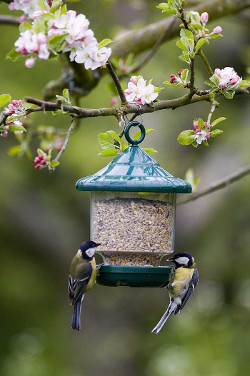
82 277
182 282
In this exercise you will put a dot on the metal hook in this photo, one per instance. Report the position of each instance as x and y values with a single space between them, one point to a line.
139 107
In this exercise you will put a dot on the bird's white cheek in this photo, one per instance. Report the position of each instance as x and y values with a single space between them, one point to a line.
182 260
90 252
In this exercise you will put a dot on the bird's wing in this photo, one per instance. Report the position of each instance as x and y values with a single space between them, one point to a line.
192 284
76 286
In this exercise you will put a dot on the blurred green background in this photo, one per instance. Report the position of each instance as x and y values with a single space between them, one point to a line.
43 220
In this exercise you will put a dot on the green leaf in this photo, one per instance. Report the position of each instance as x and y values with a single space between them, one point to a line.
14 150
158 89
217 121
54 163
172 84
43 5
105 141
244 83
104 43
18 128
201 124
56 41
114 135
216 132
123 145
66 94
24 26
214 79
41 152
55 5
4 99
186 137
205 143
185 57
108 152
187 34
147 131
200 43
14 55
229 94
181 45
214 36
184 74
150 150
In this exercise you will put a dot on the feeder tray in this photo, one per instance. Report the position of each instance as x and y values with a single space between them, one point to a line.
133 276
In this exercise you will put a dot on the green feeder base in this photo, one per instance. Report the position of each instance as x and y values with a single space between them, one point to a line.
133 276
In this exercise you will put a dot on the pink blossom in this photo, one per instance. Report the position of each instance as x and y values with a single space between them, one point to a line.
180 72
200 136
227 78
138 91
217 30
22 18
113 101
172 78
195 124
208 134
29 63
204 17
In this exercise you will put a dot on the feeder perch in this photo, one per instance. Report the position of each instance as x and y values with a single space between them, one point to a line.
133 216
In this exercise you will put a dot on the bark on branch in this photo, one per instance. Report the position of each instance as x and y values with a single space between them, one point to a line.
219 184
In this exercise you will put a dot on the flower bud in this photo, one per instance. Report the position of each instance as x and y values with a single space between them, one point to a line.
29 63
208 134
22 18
204 17
180 72
44 162
37 167
217 30
195 124
41 157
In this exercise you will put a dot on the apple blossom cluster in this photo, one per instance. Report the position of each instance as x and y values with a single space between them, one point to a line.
40 161
141 92
228 78
44 160
61 31
201 134
14 114
177 78
199 22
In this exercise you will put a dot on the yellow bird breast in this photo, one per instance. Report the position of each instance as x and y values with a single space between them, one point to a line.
181 281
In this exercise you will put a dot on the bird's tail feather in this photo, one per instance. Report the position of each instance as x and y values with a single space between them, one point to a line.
76 318
172 306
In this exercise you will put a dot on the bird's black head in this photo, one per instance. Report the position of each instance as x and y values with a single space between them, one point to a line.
88 249
183 259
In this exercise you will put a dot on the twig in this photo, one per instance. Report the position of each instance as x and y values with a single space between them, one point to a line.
219 184
206 63
71 128
214 105
153 51
9 20
117 83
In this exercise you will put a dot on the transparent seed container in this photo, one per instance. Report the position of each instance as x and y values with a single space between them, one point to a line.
134 228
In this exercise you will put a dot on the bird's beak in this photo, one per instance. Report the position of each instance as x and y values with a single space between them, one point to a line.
97 244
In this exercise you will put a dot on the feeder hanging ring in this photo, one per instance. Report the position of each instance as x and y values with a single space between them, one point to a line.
134 142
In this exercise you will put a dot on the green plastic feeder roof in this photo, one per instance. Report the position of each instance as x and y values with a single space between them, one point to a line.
133 170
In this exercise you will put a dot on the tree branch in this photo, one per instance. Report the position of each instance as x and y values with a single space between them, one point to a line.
219 184
125 109
70 130
9 20
117 83
138 41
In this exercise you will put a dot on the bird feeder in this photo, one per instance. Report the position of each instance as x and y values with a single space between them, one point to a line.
133 216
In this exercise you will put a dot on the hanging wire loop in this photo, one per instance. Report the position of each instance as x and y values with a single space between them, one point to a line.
134 142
